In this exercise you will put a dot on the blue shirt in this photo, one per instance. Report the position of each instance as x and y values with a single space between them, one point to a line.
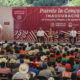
33 70
76 66
75 71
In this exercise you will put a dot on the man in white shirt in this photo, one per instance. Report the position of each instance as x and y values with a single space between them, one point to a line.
40 35
73 34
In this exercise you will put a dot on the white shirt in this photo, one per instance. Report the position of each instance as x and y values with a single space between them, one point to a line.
19 75
5 45
40 33
73 33
0 26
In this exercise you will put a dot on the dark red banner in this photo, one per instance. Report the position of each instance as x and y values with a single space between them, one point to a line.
1 32
28 20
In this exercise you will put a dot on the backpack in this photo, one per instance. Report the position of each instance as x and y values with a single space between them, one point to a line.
66 74
78 73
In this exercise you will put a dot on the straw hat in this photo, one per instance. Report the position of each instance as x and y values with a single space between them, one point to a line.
0 60
39 44
3 60
26 43
27 76
43 58
12 61
23 68
34 74
51 78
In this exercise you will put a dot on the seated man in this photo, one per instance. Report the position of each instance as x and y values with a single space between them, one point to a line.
45 72
21 75
62 36
78 74
4 69
66 74
5 73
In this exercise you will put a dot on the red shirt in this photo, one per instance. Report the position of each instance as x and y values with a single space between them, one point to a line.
5 70
68 66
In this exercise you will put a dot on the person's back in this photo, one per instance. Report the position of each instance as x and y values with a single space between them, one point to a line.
19 76
4 70
78 73
73 76
45 50
40 53
64 59
22 52
76 65
61 69
45 72
66 75
51 67
10 56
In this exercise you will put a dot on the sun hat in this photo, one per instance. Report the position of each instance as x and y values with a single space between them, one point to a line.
50 78
23 68
12 61
0 60
4 60
29 74
39 44
43 58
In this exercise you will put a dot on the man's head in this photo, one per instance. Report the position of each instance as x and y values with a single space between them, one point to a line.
44 66
73 28
40 28
3 64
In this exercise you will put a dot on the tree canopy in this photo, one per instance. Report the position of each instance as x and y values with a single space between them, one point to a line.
75 3
13 3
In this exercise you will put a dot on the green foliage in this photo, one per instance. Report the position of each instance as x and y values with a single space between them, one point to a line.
38 2
75 3
12 2
48 2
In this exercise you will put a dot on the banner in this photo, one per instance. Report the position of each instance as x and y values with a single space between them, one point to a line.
0 32
28 20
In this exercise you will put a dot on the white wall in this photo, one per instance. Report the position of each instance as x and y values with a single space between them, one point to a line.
6 16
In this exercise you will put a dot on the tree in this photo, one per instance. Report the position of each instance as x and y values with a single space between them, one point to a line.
30 1
48 2
13 2
35 2
75 3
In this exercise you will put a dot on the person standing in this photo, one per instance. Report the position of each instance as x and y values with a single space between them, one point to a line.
50 37
40 35
73 34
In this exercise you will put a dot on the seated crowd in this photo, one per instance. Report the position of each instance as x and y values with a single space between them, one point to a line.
43 61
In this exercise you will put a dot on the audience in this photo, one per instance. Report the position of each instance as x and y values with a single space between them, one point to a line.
60 61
